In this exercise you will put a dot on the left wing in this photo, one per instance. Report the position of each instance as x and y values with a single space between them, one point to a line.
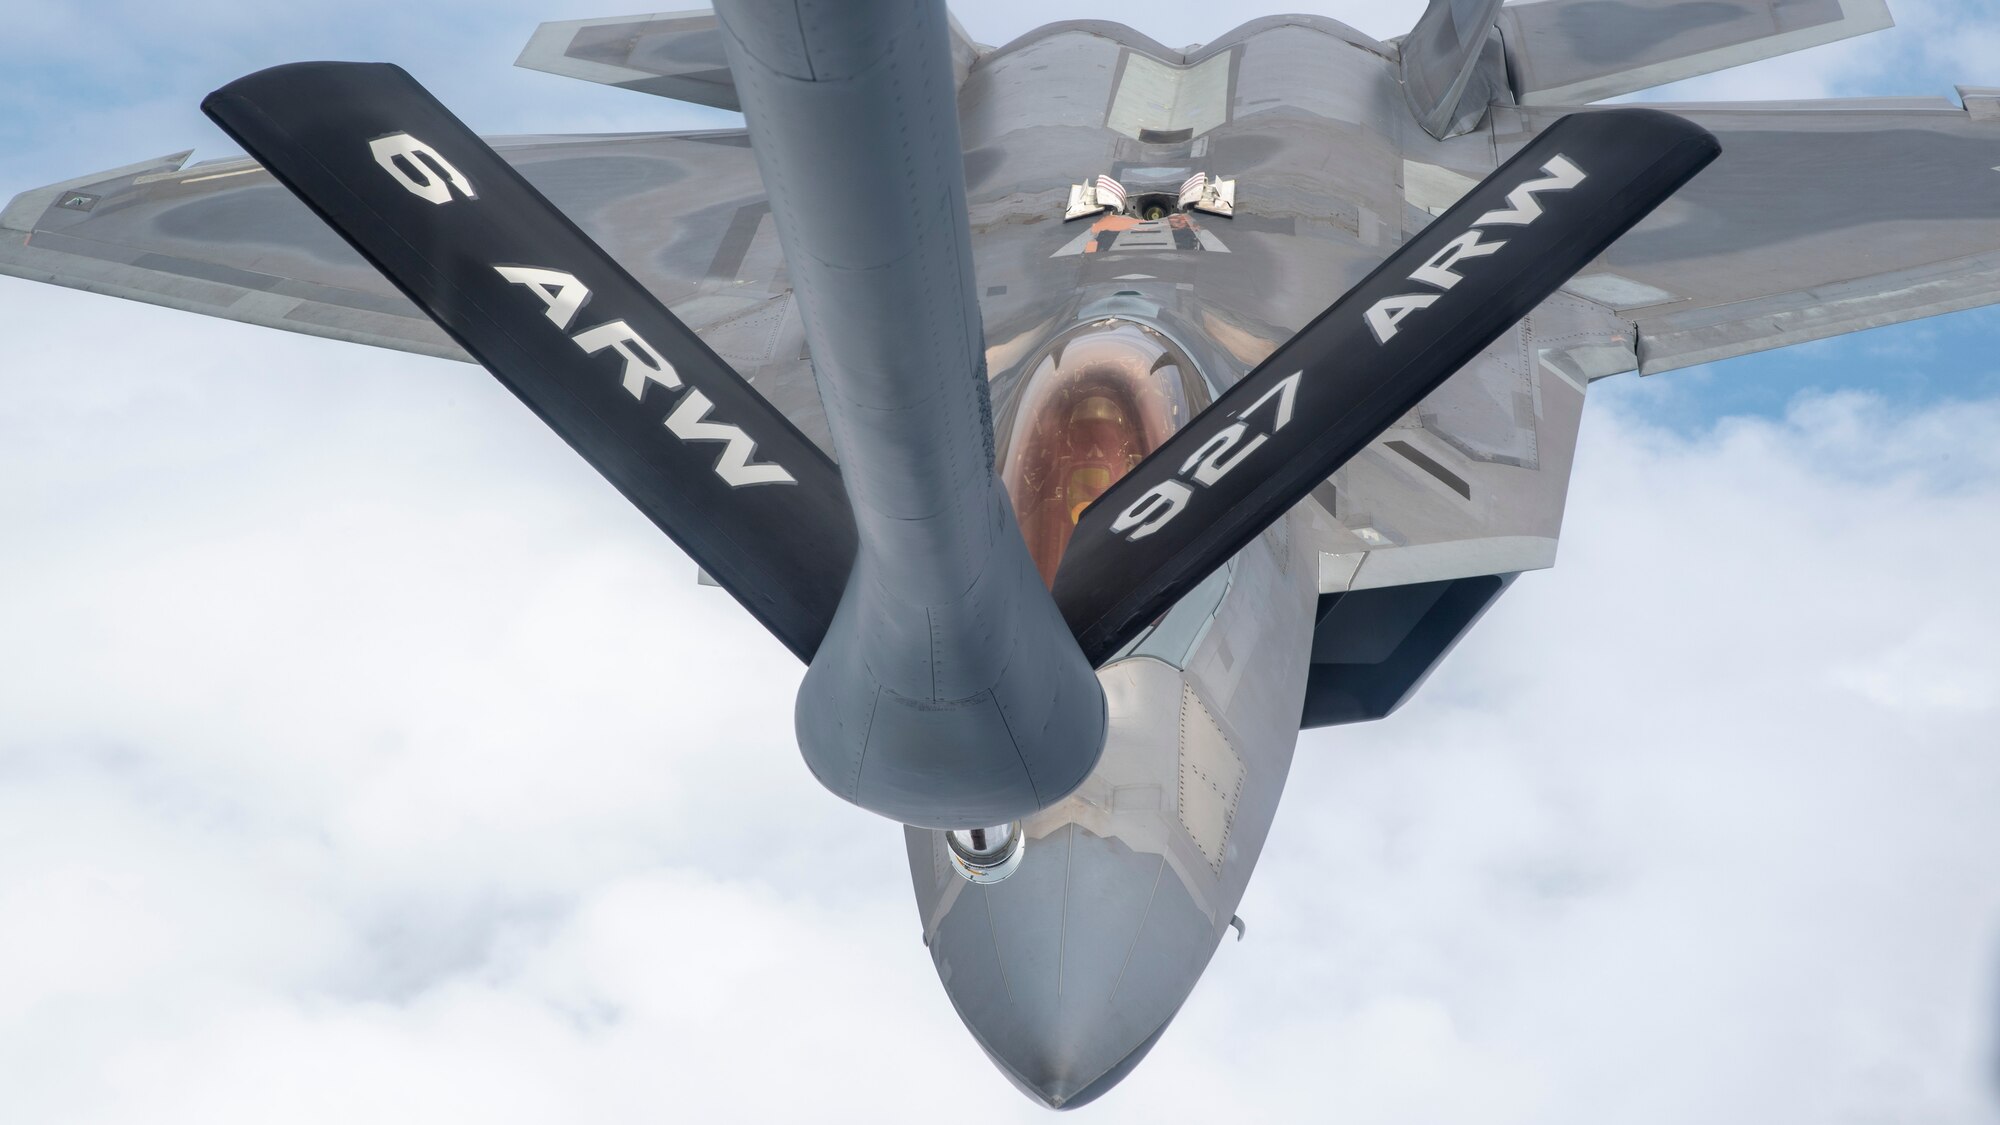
1820 218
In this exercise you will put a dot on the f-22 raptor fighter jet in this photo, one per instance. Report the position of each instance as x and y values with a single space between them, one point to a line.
1089 415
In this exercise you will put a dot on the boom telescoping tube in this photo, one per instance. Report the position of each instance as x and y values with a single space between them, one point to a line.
949 692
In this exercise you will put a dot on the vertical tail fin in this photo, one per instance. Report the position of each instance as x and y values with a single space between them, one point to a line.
1441 73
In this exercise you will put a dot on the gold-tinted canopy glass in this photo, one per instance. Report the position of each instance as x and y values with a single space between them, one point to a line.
1098 400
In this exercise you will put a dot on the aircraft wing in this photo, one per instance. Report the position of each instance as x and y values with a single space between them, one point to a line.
674 55
1568 52
1820 218
683 212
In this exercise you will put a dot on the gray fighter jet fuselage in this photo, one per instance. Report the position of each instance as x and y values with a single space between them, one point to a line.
1144 228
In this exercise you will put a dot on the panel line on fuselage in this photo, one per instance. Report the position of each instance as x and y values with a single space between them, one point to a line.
1150 897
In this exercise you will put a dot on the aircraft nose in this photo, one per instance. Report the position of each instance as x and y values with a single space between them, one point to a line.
1058 1086
1068 972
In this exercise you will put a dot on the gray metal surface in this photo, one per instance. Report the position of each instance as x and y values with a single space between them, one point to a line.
1440 60
949 691
1568 52
1067 973
1819 218
670 54
675 55
1331 172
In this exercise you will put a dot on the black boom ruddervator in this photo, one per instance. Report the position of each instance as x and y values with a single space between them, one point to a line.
761 509
1325 394
562 326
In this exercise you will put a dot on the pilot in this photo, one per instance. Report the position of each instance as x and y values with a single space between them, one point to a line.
1099 451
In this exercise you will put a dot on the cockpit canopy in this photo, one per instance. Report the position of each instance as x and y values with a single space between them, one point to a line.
1097 401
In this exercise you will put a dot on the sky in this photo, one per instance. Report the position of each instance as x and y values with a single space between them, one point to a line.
363 756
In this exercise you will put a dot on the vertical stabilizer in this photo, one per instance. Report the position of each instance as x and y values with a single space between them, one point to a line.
1440 60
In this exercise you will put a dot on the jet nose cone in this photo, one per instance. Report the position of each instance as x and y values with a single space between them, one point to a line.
1068 972
1055 1083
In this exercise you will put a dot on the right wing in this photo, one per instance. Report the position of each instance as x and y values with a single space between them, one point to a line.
1820 218
684 212
576 338
674 55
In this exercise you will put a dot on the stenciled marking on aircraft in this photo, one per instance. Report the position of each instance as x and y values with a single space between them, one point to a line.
425 173
421 169
1231 445
1522 210
1208 464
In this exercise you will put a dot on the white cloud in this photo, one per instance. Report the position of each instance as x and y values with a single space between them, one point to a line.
364 757
1662 845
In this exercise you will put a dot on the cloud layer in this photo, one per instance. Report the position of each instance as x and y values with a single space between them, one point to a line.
364 757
